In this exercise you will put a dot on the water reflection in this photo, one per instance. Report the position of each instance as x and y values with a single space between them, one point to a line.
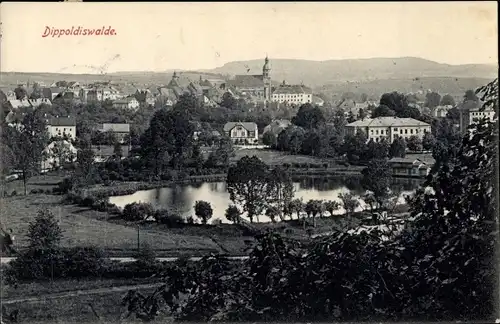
181 198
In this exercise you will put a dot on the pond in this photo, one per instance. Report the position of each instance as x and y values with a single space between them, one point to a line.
181 198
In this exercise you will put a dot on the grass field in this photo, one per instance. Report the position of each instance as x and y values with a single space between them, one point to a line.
276 157
82 226
76 309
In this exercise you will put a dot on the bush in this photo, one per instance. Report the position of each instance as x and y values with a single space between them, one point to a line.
137 211
13 193
190 220
82 262
216 221
172 220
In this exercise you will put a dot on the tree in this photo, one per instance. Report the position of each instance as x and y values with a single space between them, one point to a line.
8 159
398 147
349 202
395 101
228 101
21 93
376 178
247 185
376 150
414 143
30 143
364 97
362 114
428 141
233 214
470 95
44 232
117 150
224 151
331 206
297 206
60 154
308 117
447 100
312 208
203 210
272 212
169 135
432 99
85 163
280 189
382 111
269 139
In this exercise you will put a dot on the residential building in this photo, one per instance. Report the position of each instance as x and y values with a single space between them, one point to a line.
57 153
413 168
121 131
477 114
317 101
9 93
388 128
255 85
52 92
276 126
292 94
83 94
126 103
441 111
40 101
16 103
62 126
242 131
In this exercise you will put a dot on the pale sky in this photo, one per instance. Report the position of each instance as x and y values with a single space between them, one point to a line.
163 36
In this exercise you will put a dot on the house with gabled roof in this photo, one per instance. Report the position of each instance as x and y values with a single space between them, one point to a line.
242 132
406 167
389 128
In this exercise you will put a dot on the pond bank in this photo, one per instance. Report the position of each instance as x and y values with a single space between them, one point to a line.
120 188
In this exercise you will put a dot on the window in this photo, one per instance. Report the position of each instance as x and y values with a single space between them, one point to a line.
411 131
400 131
376 132
381 132
406 131
395 129
371 131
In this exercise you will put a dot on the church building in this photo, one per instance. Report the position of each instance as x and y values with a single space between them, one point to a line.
257 86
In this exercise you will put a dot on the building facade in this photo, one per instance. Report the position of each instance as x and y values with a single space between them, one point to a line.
388 128
477 114
257 85
126 103
292 94
120 130
61 127
242 132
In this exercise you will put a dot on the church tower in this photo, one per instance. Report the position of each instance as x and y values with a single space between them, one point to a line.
266 77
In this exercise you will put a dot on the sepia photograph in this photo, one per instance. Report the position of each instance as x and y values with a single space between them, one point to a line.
251 162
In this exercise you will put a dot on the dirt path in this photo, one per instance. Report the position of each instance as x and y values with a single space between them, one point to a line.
94 291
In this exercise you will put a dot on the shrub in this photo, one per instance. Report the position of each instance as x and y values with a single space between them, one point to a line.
13 193
137 211
190 220
172 220
82 262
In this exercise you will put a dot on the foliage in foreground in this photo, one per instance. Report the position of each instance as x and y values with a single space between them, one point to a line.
441 267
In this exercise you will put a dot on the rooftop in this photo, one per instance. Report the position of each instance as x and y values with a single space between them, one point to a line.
293 89
247 125
62 121
387 122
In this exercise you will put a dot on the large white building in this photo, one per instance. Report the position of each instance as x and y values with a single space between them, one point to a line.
476 114
389 127
292 94
59 127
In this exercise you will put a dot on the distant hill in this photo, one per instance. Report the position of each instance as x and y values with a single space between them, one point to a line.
318 73
375 88
139 78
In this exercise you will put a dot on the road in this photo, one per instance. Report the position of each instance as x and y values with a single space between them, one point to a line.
77 293
5 260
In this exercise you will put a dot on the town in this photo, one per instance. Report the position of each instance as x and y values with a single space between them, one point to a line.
250 162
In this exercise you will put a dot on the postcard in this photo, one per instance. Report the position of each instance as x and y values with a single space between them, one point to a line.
249 162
